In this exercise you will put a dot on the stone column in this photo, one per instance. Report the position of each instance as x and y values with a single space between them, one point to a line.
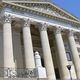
7 43
75 54
47 53
64 73
28 48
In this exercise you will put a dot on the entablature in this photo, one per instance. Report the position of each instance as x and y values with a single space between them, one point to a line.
45 12
42 4
23 11
37 20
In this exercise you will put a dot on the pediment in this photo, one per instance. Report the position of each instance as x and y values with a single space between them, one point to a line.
47 8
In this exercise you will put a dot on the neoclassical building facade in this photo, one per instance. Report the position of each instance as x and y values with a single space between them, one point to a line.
38 41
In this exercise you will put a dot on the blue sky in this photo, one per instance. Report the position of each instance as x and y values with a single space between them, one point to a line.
72 6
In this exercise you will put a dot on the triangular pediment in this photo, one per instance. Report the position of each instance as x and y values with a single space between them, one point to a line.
47 8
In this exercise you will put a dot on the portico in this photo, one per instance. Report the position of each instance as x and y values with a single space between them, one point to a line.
25 31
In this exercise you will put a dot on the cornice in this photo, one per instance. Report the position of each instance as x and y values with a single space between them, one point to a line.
66 12
23 8
50 4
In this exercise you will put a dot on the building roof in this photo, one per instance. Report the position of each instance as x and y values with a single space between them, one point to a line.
49 8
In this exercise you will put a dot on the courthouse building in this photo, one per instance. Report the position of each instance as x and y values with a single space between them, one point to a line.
38 40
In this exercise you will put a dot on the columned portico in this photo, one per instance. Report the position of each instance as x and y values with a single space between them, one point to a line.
7 43
47 52
27 41
61 54
75 54
28 48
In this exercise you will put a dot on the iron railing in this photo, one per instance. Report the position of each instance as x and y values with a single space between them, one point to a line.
18 73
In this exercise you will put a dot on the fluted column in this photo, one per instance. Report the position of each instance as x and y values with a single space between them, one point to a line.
47 53
62 55
75 54
7 43
28 48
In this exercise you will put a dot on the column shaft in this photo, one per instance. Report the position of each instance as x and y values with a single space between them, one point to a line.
7 43
62 55
28 48
75 54
47 53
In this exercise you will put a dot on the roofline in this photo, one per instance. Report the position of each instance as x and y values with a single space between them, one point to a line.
65 11
53 4
42 3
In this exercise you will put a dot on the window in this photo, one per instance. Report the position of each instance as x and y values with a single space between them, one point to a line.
68 56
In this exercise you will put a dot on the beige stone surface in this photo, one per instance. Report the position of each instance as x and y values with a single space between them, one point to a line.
28 48
8 45
47 55
75 54
64 73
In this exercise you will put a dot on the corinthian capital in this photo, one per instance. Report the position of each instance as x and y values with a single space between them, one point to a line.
43 27
27 23
71 32
57 30
7 18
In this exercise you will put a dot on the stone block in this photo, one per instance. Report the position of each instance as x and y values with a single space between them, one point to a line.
41 72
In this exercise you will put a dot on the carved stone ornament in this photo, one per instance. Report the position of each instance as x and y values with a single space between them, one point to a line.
46 10
71 32
43 27
58 30
27 23
7 18
19 73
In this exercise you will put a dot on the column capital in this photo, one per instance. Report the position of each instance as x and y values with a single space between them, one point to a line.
71 32
27 22
43 27
57 30
7 18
